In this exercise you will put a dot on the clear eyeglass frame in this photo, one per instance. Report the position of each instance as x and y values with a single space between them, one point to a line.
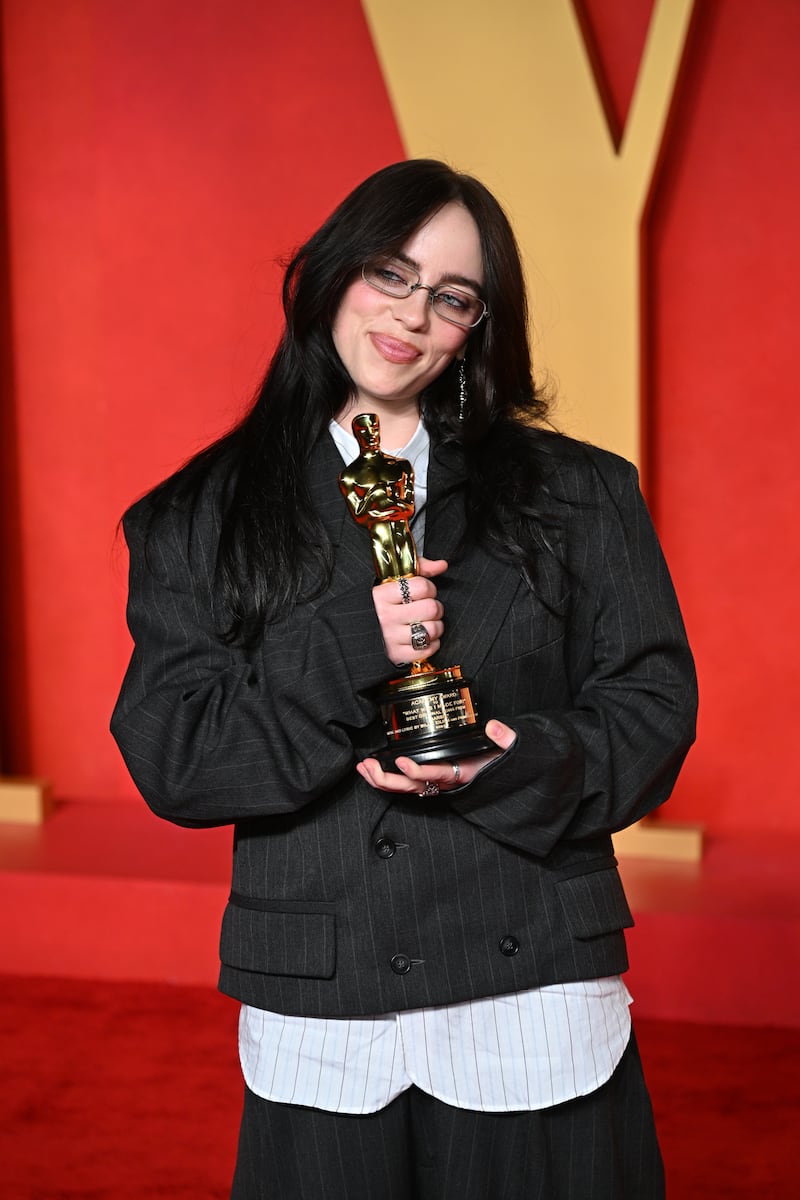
397 279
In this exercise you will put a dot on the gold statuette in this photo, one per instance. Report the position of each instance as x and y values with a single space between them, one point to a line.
428 714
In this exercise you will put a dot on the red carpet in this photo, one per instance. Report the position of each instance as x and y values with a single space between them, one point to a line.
122 1091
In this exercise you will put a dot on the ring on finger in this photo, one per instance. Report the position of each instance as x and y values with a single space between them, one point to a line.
430 789
405 591
419 636
456 772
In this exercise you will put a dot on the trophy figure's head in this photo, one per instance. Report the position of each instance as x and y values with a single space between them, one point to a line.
367 429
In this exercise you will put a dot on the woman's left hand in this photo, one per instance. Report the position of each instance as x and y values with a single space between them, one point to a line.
411 778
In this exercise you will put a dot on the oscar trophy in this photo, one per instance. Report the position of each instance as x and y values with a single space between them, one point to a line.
428 714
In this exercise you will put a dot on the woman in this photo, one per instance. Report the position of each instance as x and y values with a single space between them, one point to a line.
432 1002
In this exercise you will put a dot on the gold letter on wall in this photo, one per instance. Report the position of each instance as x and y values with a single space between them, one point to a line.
536 134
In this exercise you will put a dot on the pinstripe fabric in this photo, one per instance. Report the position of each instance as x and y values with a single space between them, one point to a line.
593 672
500 1054
497 1054
346 902
598 1147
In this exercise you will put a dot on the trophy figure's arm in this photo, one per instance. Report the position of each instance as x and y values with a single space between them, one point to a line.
378 502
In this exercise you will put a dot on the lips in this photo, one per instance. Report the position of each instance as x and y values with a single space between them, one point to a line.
394 350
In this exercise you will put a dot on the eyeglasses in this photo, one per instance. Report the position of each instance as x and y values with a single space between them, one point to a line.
451 304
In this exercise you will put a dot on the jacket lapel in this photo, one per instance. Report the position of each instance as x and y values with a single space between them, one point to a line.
477 591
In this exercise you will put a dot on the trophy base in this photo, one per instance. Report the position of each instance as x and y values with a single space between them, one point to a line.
428 750
429 716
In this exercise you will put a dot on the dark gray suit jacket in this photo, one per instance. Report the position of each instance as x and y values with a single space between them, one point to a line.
346 901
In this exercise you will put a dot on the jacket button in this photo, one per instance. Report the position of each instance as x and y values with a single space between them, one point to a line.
509 946
401 964
384 847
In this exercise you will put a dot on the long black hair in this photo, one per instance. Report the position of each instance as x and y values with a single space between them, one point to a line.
273 551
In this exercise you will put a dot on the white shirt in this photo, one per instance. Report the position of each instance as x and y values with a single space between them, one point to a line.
522 1051
526 1050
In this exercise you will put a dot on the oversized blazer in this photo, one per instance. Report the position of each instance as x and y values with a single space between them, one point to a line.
346 900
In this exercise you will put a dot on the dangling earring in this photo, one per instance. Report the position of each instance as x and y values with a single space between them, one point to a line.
462 389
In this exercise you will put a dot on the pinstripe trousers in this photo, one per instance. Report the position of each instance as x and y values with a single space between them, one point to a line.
599 1147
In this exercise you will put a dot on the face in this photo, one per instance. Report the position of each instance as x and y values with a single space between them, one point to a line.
393 348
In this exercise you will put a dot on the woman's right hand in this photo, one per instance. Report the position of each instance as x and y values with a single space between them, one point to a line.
396 615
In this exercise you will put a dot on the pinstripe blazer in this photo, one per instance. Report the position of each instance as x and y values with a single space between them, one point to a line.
345 900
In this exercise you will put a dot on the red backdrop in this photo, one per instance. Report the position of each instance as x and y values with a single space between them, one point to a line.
724 423
160 155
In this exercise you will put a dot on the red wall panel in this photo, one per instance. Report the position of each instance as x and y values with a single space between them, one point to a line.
159 155
724 423
614 32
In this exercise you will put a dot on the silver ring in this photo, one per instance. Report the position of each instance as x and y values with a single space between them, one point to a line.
419 637
456 772
431 789
404 591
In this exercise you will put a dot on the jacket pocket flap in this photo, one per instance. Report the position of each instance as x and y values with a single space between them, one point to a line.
595 903
276 942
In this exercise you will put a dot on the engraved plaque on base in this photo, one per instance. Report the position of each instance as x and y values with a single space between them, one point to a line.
430 716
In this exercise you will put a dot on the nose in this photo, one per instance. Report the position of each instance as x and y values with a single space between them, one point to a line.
415 310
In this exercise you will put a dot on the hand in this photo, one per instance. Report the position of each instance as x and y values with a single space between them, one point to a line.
396 616
410 777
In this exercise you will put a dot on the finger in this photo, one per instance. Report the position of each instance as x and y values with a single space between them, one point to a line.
422 635
441 776
420 774
409 778
429 567
386 781
502 735
427 609
408 590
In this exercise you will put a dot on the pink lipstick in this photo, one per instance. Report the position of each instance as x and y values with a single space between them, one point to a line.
394 350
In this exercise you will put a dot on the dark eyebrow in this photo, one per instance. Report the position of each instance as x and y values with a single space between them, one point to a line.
464 280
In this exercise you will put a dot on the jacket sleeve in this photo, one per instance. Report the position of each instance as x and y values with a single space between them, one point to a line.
212 734
615 754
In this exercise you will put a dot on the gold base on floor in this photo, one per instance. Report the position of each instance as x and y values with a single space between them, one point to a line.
24 801
654 838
